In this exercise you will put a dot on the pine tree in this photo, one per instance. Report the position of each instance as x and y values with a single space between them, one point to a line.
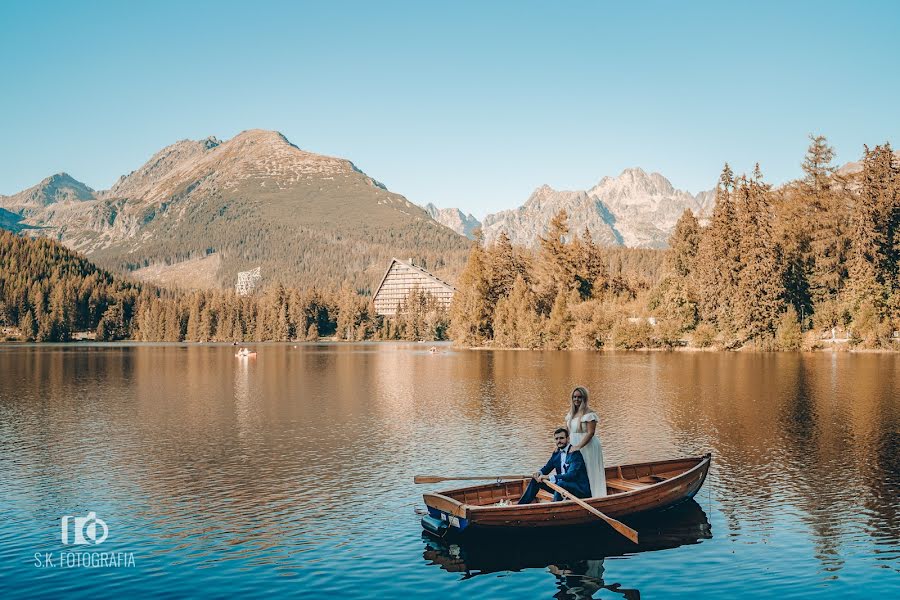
718 258
27 327
516 324
684 244
193 322
555 265
825 221
590 273
503 267
788 336
873 261
470 317
112 325
759 292
559 324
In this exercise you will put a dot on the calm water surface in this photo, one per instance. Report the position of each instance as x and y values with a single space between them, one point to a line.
291 474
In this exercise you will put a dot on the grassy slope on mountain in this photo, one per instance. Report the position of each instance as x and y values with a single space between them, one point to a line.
309 234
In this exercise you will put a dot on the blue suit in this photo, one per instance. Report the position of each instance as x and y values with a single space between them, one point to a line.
572 478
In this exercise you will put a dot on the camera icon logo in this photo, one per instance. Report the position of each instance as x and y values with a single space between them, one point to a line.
85 530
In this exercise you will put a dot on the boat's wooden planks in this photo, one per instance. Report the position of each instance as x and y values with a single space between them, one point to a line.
665 483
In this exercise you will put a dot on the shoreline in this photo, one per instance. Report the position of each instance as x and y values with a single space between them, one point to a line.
843 349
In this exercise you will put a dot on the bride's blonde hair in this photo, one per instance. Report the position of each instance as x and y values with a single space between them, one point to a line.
584 403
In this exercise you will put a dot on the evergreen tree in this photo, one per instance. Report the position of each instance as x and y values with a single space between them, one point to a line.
470 317
825 219
684 244
788 336
516 324
555 264
873 261
27 327
759 292
559 324
193 322
591 279
112 325
718 258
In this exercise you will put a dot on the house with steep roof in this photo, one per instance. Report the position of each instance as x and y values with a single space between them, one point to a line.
401 278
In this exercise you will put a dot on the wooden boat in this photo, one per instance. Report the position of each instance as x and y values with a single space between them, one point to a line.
632 489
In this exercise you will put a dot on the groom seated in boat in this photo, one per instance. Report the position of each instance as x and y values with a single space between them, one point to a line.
571 473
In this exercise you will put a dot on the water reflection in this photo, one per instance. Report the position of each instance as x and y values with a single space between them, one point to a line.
282 471
574 557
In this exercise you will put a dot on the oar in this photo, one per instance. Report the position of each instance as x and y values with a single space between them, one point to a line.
622 528
437 479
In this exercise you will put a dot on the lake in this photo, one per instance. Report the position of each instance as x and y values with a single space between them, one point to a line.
291 473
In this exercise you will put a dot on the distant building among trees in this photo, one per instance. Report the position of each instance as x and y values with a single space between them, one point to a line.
402 279
247 282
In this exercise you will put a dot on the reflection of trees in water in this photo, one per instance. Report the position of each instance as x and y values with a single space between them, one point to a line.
810 431
814 473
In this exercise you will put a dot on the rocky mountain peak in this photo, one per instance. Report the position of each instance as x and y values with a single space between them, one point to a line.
635 209
60 187
455 219
633 185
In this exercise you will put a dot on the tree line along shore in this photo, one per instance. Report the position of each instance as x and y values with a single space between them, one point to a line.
811 264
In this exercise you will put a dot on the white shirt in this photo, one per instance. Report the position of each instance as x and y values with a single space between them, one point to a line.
562 461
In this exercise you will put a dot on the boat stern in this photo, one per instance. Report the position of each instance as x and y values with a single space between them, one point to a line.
444 514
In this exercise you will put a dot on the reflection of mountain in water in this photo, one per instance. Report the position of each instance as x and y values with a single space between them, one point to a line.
575 560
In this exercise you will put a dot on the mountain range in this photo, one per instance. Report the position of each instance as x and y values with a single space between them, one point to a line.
199 211
636 209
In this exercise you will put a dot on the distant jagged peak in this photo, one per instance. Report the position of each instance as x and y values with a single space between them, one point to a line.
455 219
634 181
60 187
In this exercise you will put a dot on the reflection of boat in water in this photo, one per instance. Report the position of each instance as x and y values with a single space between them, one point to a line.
632 489
576 560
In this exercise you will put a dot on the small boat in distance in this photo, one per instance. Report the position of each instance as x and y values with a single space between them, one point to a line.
632 489
246 353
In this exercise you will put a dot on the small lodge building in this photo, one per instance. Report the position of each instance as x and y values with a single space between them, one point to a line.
401 278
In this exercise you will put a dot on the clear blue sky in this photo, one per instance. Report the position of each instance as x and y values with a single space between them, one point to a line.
461 104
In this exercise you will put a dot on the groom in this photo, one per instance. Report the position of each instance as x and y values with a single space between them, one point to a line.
571 473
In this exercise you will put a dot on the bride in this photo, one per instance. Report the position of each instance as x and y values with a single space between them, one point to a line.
582 425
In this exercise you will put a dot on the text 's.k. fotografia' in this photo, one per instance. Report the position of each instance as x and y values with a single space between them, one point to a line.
449 300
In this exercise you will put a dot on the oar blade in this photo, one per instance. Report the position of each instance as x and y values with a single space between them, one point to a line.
427 479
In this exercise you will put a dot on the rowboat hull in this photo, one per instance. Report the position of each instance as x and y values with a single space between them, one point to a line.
633 489
525 548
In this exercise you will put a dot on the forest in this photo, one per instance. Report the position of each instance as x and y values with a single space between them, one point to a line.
809 264
50 294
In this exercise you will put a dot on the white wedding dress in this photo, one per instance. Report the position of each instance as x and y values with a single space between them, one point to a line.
592 452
